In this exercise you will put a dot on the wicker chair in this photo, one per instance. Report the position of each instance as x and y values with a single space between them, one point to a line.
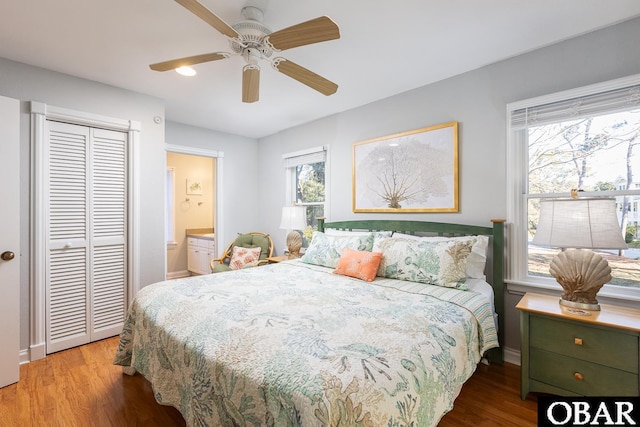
252 239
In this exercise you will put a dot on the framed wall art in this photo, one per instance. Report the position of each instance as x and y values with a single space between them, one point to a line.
413 171
194 187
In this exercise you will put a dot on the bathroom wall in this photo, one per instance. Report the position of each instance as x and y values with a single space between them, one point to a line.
190 210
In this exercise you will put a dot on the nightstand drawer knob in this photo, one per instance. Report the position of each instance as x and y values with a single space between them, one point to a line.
577 341
578 376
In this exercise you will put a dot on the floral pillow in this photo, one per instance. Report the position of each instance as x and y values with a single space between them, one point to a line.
244 257
361 265
441 263
477 260
326 250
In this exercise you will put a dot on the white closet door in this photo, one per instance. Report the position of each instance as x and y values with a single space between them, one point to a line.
68 230
109 250
86 278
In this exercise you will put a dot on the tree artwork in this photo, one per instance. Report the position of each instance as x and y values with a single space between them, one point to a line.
414 171
409 173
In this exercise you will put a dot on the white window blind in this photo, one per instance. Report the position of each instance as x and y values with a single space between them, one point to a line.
603 109
578 107
312 155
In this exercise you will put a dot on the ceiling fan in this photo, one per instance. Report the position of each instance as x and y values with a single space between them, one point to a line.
254 41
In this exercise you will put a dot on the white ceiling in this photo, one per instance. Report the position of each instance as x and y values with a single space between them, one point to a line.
386 47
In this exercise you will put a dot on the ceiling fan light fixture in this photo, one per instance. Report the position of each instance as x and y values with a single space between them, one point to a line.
254 41
186 71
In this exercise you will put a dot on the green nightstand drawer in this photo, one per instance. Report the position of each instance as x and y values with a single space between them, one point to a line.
602 346
579 376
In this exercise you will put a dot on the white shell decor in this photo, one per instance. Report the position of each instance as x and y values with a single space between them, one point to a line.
581 273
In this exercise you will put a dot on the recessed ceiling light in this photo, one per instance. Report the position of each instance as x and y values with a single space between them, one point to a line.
186 71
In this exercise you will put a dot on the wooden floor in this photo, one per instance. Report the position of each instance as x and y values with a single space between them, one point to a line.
81 387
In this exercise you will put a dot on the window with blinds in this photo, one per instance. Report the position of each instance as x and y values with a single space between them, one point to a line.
586 139
306 182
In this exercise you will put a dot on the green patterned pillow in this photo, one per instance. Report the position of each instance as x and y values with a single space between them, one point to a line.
477 260
436 263
326 250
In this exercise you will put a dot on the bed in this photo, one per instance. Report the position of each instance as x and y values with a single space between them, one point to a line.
310 342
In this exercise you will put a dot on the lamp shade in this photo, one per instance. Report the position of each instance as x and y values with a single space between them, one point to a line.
294 218
589 223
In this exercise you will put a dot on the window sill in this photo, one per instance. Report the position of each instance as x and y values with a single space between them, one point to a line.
172 245
615 295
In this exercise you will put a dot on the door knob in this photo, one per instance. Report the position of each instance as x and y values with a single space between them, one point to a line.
7 255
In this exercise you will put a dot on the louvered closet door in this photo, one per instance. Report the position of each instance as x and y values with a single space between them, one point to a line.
86 277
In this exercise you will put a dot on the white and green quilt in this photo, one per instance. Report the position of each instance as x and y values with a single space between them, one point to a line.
292 344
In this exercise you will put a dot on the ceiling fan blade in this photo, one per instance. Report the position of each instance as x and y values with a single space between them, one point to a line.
189 60
209 17
314 31
304 76
250 83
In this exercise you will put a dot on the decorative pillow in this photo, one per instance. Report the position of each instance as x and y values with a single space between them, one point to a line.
362 265
243 257
326 250
476 261
441 263
253 241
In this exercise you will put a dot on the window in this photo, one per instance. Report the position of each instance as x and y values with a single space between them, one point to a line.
587 139
306 183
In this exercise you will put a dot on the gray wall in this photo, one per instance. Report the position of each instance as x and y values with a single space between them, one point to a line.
28 83
477 100
241 174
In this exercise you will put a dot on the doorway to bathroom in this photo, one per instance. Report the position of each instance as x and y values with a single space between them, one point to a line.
192 210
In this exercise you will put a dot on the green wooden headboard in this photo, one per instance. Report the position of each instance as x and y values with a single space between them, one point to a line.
495 257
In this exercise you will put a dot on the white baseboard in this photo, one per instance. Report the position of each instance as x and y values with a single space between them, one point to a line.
24 356
178 274
512 355
37 351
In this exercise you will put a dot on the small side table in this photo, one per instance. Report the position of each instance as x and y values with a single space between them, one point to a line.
572 352
277 259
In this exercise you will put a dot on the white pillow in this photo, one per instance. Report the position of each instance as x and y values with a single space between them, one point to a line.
476 261
335 232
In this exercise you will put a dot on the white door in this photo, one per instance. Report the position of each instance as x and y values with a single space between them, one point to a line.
9 241
87 256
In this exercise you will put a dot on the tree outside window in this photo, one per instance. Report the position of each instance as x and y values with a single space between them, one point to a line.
593 154
310 192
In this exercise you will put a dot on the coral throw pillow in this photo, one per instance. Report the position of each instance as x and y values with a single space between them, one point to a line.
243 257
361 265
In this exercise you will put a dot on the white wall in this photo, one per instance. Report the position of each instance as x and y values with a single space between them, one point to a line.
477 100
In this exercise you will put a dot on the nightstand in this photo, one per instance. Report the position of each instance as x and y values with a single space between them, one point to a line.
276 259
571 352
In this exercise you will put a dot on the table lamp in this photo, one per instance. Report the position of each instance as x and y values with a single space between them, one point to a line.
580 224
294 219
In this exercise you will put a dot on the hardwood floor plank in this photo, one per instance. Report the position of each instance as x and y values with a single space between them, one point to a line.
491 397
82 387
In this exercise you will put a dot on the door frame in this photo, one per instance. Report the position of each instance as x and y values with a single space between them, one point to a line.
218 219
40 113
